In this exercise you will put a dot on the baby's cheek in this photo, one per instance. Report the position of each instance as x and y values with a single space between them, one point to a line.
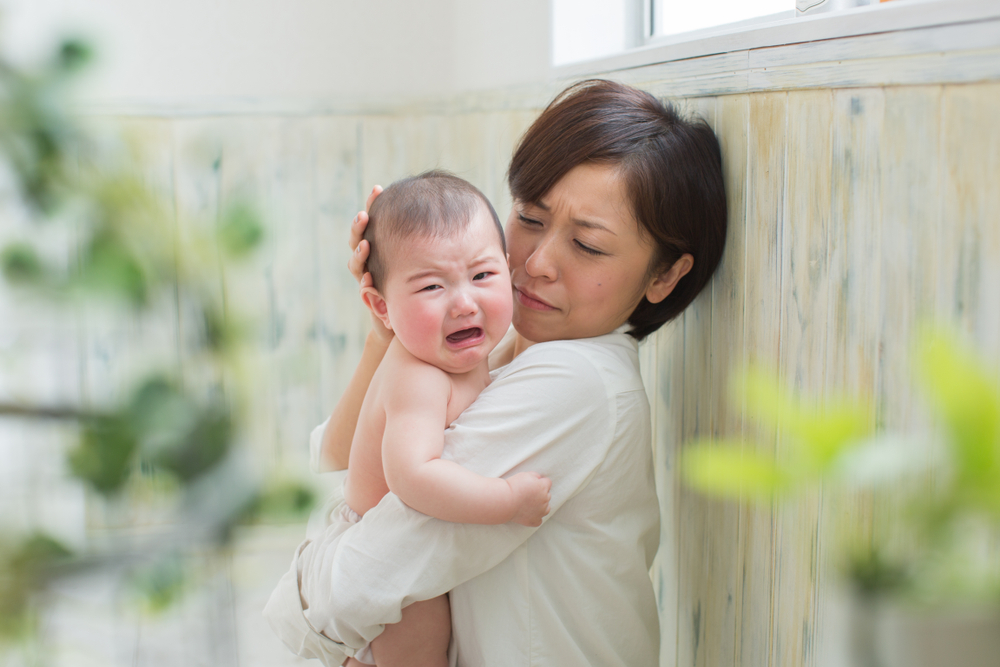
502 308
415 328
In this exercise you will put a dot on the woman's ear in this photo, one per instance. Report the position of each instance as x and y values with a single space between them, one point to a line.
376 304
664 283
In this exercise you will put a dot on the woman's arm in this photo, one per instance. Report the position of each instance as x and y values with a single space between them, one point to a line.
339 432
550 414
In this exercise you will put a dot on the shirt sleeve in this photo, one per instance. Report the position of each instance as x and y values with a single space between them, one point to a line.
316 447
548 412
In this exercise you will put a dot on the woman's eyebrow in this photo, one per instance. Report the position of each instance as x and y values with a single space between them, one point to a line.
592 225
589 224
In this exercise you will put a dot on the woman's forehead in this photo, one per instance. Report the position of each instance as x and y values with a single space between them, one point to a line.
592 196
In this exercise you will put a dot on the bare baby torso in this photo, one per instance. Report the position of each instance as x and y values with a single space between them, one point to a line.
366 484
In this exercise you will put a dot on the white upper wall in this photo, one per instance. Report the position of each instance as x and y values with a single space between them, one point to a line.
586 29
190 51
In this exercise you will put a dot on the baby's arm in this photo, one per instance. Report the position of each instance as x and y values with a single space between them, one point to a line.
416 410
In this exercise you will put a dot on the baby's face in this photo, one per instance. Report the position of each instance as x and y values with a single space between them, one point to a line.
449 299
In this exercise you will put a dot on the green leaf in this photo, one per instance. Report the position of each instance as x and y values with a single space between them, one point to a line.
40 551
220 334
283 501
21 264
73 55
176 433
240 230
104 456
872 573
23 573
201 448
828 431
815 434
108 266
727 470
968 403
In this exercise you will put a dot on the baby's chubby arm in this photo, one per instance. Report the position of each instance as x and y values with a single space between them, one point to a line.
416 409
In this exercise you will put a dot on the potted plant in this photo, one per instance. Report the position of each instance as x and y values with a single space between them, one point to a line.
925 584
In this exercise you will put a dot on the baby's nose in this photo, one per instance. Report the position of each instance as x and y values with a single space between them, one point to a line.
463 304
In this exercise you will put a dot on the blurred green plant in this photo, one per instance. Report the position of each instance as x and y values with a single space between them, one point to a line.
943 489
24 568
816 435
126 252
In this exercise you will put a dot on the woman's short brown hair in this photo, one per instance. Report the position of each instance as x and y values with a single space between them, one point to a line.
671 167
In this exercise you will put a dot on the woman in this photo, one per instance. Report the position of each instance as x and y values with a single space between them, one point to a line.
618 222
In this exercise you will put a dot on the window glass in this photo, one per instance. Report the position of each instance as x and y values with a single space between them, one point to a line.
675 16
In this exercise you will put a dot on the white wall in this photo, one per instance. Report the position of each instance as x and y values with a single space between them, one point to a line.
197 51
586 29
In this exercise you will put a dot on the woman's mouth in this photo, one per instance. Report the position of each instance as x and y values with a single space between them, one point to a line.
530 301
465 337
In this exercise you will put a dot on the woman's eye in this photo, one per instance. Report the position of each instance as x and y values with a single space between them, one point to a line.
528 221
587 249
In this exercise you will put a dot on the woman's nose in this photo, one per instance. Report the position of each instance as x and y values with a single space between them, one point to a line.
541 262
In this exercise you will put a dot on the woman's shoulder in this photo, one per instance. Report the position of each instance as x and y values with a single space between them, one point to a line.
610 360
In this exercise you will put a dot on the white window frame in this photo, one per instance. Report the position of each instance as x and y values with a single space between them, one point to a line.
770 32
648 9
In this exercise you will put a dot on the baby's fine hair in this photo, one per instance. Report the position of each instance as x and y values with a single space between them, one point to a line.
432 204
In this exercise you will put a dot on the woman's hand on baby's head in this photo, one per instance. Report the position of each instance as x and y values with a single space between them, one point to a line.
359 258
359 247
531 497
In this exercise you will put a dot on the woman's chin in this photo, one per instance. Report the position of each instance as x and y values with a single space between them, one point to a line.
536 327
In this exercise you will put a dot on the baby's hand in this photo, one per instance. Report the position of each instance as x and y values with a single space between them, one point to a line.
531 495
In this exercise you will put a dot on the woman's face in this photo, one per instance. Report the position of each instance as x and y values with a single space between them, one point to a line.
579 264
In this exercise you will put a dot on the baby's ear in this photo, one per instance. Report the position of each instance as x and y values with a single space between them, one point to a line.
376 304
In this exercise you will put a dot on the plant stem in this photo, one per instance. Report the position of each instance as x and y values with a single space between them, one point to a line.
43 412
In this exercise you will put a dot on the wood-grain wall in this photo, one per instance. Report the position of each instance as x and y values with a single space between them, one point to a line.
855 214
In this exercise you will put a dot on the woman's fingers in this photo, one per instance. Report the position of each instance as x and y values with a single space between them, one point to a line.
361 219
355 241
358 226
376 191
358 259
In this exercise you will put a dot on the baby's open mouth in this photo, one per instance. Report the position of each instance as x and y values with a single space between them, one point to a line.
464 335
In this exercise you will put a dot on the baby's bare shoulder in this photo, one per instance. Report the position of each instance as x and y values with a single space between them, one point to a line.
408 380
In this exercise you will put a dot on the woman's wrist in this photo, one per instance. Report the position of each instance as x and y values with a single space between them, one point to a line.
377 341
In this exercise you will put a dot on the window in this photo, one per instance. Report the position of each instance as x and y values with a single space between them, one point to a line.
671 17
602 35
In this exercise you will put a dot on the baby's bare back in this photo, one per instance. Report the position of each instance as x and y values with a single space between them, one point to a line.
366 485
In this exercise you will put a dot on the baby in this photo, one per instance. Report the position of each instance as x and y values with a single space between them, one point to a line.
441 283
